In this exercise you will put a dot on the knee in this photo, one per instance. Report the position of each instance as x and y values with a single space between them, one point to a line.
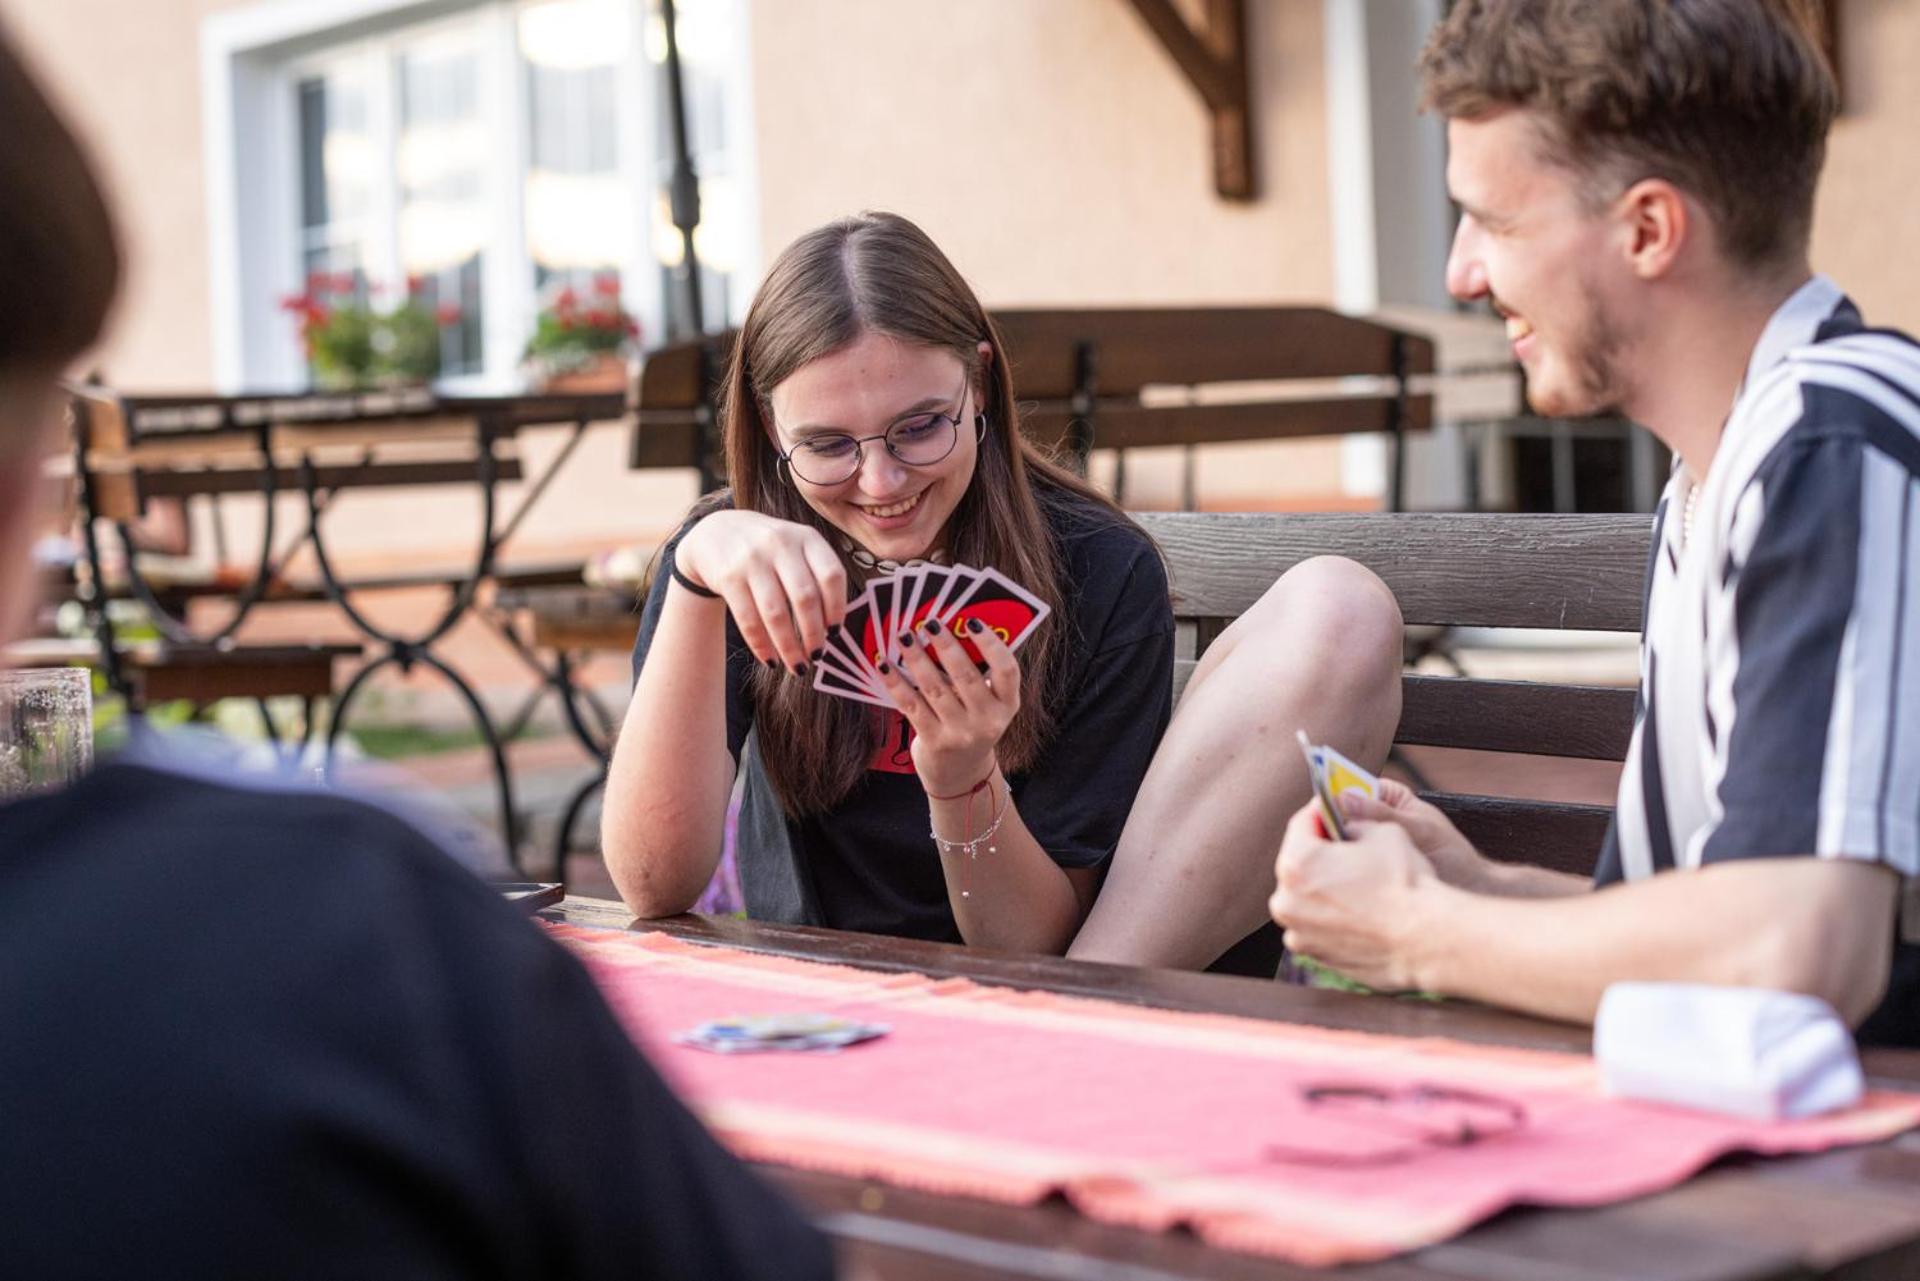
1333 608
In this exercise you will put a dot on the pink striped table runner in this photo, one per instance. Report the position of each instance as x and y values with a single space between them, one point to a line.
1239 1129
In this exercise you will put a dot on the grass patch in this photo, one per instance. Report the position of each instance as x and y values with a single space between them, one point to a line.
397 742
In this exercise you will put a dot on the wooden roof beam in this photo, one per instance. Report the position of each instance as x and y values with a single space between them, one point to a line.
1213 57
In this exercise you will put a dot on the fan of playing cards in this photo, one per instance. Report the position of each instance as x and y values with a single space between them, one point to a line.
907 598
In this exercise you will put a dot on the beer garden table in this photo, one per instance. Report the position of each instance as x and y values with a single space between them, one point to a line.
128 449
1846 1213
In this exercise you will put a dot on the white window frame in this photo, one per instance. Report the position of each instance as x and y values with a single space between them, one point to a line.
1386 181
251 60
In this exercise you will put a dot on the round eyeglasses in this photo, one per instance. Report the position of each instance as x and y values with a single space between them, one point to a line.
919 440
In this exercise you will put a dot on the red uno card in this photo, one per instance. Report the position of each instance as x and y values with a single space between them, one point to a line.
999 603
922 588
848 641
876 628
829 678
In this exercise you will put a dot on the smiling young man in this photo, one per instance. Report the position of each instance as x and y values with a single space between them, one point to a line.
1636 185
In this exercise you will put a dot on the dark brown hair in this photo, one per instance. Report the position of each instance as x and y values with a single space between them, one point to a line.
879 273
1729 100
59 258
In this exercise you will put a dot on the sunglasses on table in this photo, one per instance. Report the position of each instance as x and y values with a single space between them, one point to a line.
1429 1117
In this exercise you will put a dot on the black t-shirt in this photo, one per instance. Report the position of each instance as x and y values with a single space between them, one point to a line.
869 864
278 1034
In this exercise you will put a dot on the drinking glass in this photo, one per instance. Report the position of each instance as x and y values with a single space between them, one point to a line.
46 728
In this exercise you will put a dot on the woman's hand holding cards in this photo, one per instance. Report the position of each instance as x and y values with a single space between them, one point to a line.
781 581
958 713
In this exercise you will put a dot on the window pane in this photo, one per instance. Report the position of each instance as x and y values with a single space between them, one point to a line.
441 162
337 168
579 211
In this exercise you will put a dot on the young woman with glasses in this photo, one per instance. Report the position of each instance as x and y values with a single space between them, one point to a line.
869 421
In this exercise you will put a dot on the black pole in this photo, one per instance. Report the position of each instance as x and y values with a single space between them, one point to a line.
684 194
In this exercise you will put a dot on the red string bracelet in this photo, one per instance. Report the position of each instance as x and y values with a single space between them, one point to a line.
975 790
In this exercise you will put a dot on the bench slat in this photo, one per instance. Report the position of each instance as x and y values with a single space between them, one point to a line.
1182 346
1444 568
1586 721
1137 426
246 480
1557 835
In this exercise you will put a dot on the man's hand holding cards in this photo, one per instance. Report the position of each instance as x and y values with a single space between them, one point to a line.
954 596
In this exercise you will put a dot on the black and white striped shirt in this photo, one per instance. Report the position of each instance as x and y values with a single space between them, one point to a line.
1780 663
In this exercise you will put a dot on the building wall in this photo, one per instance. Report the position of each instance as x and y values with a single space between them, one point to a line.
1866 230
1053 149
127 75
1056 153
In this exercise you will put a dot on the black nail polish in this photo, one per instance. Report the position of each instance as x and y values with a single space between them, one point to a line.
815 656
933 626
885 668
906 639
799 669
771 665
975 625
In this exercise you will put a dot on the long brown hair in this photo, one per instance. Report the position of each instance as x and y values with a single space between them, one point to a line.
879 273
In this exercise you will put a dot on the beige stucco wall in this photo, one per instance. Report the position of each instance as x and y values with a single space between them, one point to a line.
1057 154
1053 149
1867 222
128 77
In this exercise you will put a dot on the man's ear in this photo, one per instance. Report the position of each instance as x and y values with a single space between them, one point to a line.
1655 221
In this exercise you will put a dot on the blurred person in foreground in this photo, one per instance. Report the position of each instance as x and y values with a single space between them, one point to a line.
257 1032
1636 184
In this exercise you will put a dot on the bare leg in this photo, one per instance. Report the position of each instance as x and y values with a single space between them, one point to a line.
1319 651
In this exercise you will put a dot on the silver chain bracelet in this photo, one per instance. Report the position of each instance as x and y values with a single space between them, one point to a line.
971 848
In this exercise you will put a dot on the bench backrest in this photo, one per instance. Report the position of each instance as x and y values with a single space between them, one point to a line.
1122 378
1531 571
1081 373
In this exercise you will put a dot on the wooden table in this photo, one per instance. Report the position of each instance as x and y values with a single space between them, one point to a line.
130 448
1852 1213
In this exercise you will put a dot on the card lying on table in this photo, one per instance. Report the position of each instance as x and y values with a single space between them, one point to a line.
894 604
788 1032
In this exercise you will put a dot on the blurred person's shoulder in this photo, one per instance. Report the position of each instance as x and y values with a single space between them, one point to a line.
186 836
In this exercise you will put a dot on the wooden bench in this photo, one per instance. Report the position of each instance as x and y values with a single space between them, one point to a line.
1546 572
1139 377
1123 378
1495 571
160 671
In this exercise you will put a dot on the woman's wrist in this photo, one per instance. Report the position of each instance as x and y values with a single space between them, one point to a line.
960 782
683 567
691 586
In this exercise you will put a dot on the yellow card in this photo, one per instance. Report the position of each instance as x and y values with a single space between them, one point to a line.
1331 774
